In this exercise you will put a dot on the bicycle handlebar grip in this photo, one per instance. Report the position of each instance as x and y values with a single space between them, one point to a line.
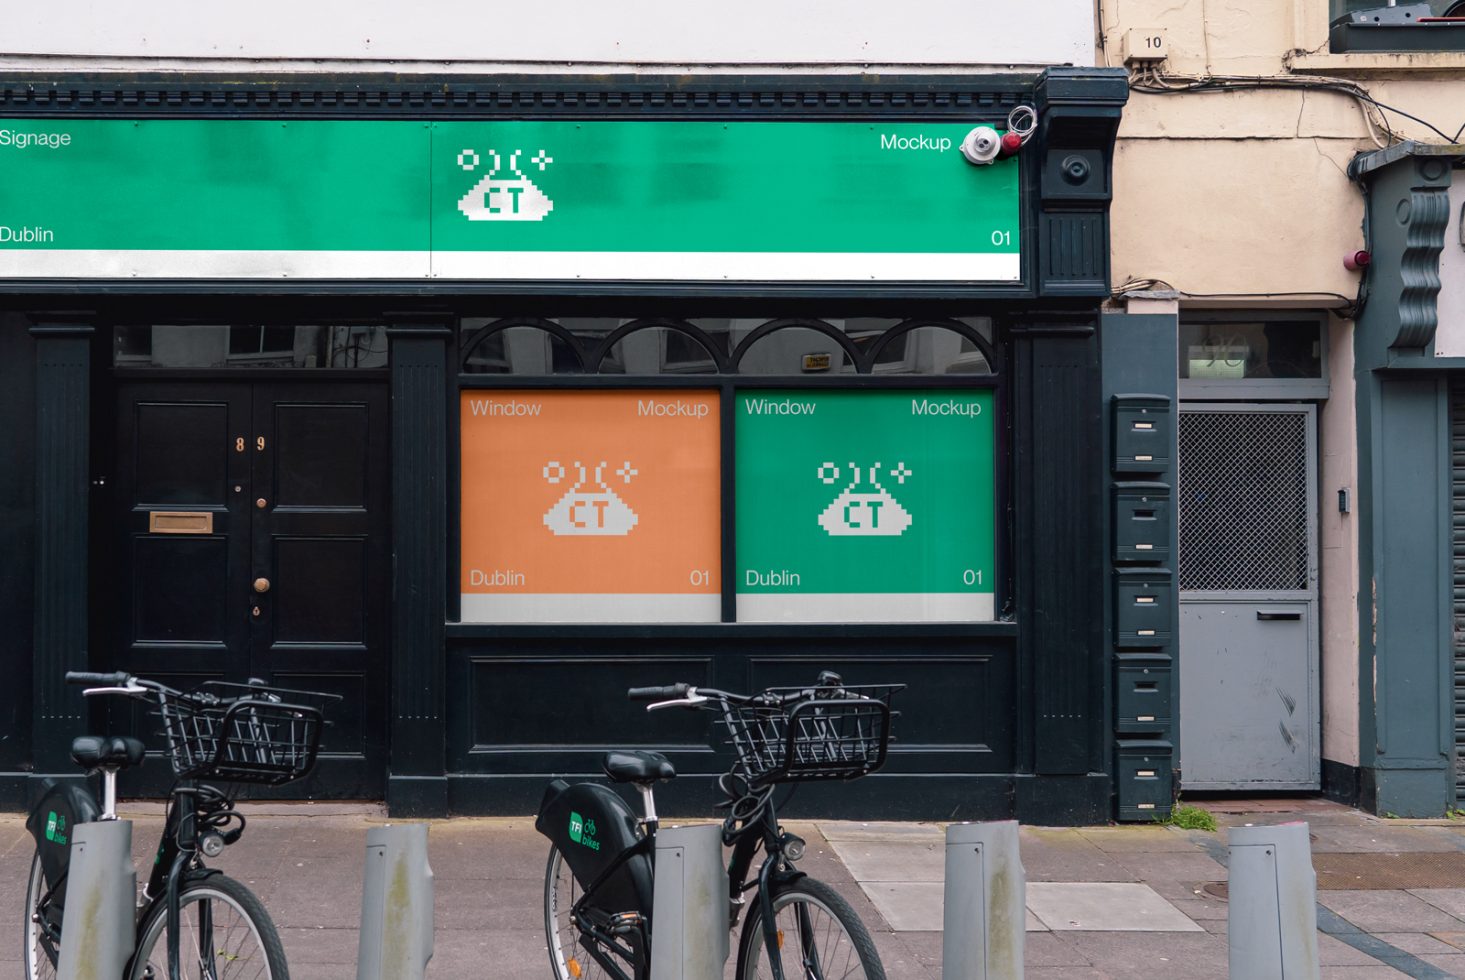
668 693
90 679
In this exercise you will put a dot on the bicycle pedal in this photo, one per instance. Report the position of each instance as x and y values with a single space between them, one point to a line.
623 922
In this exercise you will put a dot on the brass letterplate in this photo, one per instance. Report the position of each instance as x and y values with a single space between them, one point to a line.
180 522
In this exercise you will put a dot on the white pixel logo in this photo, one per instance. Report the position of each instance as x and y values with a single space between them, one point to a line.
496 198
586 512
869 513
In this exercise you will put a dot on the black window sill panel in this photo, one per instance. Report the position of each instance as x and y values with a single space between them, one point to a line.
1412 38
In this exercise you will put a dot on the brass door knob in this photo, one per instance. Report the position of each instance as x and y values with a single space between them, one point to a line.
261 503
261 585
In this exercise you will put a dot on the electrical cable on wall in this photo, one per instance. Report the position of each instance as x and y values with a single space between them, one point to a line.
1151 81
1148 283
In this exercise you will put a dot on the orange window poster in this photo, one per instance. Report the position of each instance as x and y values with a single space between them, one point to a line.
591 506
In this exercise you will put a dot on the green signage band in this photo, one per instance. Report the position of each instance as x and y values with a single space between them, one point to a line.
512 200
865 506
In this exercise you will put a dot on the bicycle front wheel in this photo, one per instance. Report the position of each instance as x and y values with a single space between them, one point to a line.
42 928
568 957
224 934
819 937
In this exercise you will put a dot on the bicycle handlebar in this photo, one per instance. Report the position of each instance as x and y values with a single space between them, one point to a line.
669 692
117 679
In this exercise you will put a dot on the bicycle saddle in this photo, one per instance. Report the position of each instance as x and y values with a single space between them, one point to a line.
111 751
636 766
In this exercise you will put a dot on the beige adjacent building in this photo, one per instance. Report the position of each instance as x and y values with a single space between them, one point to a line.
1234 202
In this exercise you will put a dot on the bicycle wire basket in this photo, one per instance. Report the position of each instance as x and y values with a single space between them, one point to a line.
793 734
243 733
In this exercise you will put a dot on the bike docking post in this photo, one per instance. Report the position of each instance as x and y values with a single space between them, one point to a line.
396 905
985 903
1271 920
689 913
101 902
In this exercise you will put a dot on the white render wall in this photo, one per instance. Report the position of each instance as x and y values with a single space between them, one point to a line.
553 35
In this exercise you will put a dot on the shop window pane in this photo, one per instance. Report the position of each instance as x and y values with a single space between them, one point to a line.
212 346
518 350
658 350
1237 350
794 350
865 506
934 350
591 506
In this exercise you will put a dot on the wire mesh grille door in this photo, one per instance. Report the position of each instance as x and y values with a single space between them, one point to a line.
1457 533
1250 705
1245 512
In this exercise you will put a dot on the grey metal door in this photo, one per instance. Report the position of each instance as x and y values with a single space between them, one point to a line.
1249 697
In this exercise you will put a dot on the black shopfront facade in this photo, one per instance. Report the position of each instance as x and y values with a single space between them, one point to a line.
281 474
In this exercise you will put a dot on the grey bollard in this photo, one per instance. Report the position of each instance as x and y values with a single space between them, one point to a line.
1271 922
986 903
689 927
396 905
98 930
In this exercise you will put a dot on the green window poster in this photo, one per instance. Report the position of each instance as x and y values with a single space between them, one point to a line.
865 506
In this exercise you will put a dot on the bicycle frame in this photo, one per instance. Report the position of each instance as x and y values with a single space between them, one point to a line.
775 870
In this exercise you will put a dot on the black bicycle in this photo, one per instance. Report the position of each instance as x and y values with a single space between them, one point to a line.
193 923
598 882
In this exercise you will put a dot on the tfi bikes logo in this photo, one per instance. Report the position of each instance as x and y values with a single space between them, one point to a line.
582 831
56 828
498 197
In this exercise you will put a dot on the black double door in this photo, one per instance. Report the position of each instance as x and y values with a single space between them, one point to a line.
253 543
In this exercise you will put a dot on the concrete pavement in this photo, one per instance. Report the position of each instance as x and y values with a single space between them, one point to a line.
1103 902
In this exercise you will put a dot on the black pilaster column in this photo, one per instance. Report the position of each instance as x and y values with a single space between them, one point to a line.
417 784
1059 570
63 384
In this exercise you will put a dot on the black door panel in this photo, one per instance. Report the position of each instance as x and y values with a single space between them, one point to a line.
184 452
289 584
180 589
328 453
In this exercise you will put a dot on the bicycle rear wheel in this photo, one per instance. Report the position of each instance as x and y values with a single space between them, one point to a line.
819 936
223 928
567 955
42 935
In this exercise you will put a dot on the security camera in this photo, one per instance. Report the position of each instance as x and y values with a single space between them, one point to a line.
981 145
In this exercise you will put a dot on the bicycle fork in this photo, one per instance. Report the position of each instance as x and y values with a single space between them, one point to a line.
187 849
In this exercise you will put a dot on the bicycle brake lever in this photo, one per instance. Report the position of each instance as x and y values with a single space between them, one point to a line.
130 690
690 701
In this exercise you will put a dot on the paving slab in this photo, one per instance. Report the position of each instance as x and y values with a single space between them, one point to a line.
1375 972
1135 956
1374 837
851 830
1384 911
1174 874
1140 838
1418 943
1454 965
1053 854
918 906
882 860
1332 951
1201 909
1450 900
1105 907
